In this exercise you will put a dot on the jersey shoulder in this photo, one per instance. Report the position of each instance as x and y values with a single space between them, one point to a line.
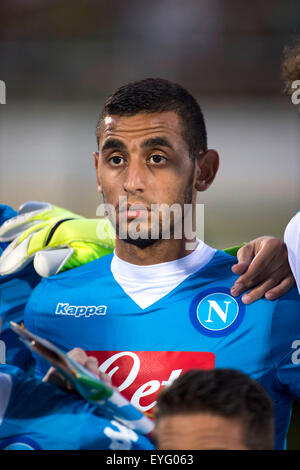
97 268
72 281
219 267
286 317
6 212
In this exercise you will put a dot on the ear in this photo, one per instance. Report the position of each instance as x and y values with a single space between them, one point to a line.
207 166
96 163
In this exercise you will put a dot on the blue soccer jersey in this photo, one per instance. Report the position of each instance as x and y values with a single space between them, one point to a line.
196 325
35 415
15 290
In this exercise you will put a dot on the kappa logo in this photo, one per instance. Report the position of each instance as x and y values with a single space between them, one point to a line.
216 313
80 310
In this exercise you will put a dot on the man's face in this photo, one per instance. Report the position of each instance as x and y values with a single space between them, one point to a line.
144 158
198 431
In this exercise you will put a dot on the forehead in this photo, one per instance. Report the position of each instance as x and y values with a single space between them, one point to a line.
200 431
142 125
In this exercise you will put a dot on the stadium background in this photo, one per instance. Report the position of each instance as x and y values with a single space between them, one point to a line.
60 60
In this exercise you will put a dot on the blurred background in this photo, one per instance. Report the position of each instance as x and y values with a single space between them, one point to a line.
61 59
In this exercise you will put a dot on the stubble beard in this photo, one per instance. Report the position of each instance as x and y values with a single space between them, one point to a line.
148 241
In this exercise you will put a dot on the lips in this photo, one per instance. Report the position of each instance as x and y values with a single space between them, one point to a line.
136 207
135 210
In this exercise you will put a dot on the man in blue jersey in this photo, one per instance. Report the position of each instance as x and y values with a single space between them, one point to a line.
162 305
42 239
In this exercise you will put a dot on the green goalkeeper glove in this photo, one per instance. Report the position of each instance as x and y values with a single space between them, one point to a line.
234 249
54 238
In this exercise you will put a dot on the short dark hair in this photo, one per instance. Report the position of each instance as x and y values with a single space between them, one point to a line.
223 392
156 95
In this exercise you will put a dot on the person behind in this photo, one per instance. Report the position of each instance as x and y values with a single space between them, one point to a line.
291 76
221 409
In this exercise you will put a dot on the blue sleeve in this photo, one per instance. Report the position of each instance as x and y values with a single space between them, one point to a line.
15 290
35 415
41 366
285 342
6 212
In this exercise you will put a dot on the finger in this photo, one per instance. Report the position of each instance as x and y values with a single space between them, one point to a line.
13 228
285 285
246 253
34 207
245 256
240 268
259 291
50 262
57 379
105 378
15 256
78 355
89 362
92 365
258 269
273 280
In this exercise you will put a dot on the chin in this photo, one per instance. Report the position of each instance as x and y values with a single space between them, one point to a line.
141 242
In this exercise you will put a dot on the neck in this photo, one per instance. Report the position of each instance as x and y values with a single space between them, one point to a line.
161 251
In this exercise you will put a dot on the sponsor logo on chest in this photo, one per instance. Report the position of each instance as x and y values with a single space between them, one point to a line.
140 375
80 310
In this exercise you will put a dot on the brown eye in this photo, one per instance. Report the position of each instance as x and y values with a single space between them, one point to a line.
116 160
157 159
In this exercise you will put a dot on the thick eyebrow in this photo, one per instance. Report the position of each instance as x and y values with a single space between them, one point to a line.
152 142
157 141
114 144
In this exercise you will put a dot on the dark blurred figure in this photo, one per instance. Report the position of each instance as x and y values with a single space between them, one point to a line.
291 71
220 409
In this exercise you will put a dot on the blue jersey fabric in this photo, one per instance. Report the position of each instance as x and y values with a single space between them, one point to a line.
15 290
6 212
198 321
35 415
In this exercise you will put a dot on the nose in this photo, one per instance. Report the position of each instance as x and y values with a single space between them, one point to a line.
134 180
